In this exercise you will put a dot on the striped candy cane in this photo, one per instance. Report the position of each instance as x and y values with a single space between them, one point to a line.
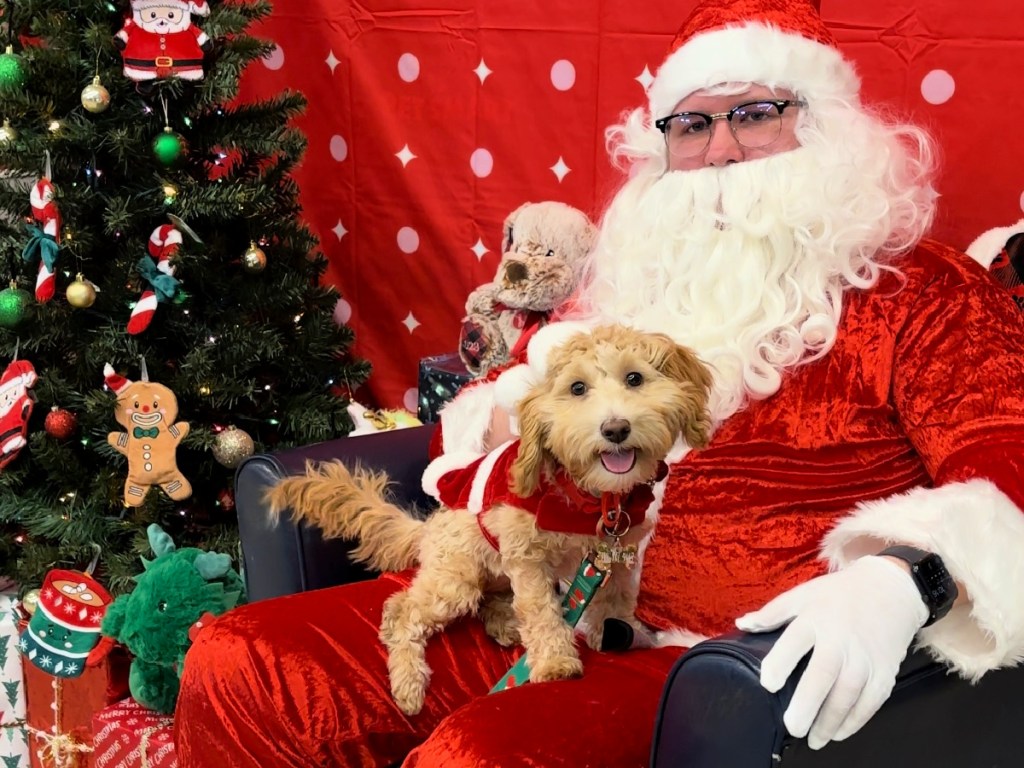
163 245
44 210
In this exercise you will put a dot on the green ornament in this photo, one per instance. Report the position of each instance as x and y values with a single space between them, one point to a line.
12 73
168 146
13 303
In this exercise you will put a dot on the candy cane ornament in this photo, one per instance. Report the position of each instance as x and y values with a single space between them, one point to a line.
158 271
45 238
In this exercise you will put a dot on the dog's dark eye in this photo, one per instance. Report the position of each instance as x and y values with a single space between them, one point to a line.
549 254
578 388
634 379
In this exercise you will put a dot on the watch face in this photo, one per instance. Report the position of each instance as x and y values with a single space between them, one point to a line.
932 575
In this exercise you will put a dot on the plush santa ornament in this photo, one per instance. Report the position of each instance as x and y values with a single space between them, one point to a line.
16 403
159 40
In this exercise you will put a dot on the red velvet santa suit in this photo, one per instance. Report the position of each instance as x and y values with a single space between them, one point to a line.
150 55
302 680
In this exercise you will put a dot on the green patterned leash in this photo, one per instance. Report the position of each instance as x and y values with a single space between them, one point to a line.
587 581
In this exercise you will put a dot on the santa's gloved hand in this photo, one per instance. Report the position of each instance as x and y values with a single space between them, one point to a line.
860 622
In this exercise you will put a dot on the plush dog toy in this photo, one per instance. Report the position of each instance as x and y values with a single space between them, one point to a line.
176 595
542 250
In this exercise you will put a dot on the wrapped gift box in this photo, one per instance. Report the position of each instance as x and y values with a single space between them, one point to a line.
77 700
126 733
14 751
440 377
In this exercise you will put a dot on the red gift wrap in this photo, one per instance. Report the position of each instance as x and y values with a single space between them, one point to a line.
60 711
127 735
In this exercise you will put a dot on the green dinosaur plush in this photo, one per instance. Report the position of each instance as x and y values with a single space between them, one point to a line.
176 589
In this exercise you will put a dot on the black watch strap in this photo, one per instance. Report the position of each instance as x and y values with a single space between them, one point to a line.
937 587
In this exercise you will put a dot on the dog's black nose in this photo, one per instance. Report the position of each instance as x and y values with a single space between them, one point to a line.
615 430
516 272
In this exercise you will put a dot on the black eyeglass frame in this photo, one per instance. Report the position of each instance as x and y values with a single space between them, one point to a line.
780 104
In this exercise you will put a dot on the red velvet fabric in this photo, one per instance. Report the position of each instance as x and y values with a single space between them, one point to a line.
925 385
798 17
302 681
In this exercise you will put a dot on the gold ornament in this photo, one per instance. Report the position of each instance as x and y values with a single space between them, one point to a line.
254 259
7 133
81 293
30 601
231 446
95 98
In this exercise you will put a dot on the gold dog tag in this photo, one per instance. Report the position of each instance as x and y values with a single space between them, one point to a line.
610 554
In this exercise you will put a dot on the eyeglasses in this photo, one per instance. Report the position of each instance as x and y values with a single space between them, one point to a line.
754 124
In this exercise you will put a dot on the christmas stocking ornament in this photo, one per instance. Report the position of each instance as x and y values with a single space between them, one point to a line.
158 271
147 410
16 402
159 41
63 636
44 239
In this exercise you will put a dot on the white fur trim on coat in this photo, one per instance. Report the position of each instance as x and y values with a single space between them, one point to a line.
979 534
466 419
752 53
987 246
442 465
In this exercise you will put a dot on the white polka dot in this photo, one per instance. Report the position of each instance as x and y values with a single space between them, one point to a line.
1022 201
342 312
274 59
482 163
563 75
938 86
339 148
408 240
408 67
411 400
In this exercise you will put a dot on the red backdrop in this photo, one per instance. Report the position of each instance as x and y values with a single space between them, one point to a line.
428 124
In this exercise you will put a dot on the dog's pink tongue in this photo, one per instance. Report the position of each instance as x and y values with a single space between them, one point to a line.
618 463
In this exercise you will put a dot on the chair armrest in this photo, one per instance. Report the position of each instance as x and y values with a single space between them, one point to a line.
714 713
289 558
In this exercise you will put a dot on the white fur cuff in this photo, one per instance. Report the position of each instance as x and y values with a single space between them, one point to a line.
979 533
466 419
989 245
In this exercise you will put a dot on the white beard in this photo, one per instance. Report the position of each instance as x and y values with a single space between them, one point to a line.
744 264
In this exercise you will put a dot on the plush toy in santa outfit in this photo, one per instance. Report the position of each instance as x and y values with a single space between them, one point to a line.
16 402
159 40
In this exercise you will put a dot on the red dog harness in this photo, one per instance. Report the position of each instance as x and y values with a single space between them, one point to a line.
558 505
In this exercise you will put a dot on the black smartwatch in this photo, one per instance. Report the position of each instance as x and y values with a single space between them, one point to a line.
937 588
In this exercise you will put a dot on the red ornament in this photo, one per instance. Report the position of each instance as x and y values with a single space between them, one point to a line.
60 424
227 500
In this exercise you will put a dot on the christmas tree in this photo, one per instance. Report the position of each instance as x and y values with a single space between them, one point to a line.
149 222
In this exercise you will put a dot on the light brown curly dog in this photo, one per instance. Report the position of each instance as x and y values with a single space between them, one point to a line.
607 412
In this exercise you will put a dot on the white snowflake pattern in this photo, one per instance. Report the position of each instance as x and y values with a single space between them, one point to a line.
46 662
96 617
23 645
69 608
72 669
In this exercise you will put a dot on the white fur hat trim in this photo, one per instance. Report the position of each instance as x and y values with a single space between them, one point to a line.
512 385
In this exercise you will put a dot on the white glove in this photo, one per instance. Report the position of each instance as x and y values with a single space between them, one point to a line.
860 622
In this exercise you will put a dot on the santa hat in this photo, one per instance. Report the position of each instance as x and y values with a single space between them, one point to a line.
989 245
778 43
513 384
115 381
197 7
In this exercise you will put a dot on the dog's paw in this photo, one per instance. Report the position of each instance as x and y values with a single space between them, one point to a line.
549 668
505 634
499 620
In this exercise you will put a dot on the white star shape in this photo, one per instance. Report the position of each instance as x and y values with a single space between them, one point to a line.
480 249
411 323
45 661
560 169
405 155
645 78
339 230
332 61
482 71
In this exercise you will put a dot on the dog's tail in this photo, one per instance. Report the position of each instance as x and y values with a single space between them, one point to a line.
353 505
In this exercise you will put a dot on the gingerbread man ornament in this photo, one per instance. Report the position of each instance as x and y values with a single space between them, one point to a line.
148 411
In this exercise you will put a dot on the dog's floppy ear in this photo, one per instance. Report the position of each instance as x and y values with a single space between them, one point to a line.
683 366
533 432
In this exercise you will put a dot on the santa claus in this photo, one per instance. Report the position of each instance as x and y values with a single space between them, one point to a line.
868 426
159 40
